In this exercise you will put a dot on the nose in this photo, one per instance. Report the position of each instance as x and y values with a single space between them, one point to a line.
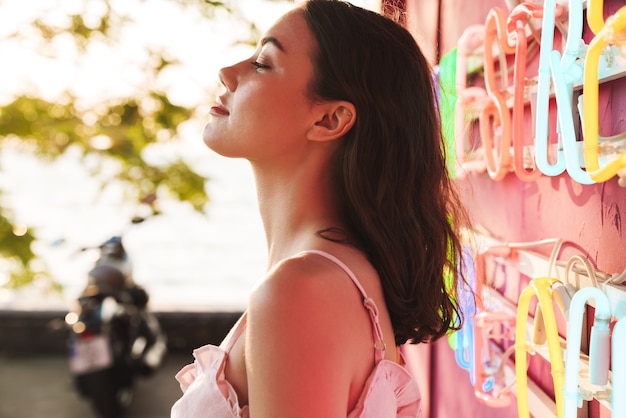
228 77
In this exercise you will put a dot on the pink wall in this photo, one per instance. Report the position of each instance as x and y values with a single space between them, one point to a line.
512 210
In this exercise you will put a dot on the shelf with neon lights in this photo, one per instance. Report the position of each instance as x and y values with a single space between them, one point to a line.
532 264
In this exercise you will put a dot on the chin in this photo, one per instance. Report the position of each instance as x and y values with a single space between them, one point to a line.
218 139
221 146
211 138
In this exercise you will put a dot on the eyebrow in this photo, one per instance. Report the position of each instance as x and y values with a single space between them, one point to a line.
272 40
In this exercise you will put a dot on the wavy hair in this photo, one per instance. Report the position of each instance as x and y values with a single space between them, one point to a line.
397 200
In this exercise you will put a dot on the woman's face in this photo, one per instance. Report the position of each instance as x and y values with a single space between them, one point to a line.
266 109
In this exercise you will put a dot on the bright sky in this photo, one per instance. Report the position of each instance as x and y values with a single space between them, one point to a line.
202 48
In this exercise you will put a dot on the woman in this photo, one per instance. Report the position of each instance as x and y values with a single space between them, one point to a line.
336 113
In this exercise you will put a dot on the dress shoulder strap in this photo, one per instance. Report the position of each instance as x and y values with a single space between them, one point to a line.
368 302
235 332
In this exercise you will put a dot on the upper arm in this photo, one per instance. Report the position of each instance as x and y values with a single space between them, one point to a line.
299 357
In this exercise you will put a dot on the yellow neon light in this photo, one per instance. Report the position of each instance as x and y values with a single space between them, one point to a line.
615 24
595 17
542 288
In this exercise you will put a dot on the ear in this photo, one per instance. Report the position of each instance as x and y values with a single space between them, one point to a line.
333 120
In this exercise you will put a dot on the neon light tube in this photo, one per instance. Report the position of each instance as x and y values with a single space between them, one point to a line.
618 362
595 16
615 24
495 250
599 348
464 350
543 96
565 72
564 90
574 40
516 22
463 339
488 385
496 112
471 39
541 287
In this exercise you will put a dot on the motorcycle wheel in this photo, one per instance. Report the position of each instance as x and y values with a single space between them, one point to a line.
107 397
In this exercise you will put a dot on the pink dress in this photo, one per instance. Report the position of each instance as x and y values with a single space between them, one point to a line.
389 392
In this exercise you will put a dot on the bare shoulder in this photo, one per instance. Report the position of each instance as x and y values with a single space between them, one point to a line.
306 283
306 322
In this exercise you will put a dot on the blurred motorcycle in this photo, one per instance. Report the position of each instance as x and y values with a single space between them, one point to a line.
113 336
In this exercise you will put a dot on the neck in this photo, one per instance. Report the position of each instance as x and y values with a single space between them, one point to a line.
295 204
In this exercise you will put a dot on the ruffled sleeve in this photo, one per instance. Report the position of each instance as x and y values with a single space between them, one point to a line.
389 392
206 392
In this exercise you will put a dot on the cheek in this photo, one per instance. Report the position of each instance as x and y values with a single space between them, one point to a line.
261 121
238 135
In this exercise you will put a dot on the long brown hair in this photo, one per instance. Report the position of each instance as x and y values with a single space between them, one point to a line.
397 199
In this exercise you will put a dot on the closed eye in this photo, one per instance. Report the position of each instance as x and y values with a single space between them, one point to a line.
258 65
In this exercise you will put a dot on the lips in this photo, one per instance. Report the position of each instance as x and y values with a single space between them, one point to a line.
219 109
